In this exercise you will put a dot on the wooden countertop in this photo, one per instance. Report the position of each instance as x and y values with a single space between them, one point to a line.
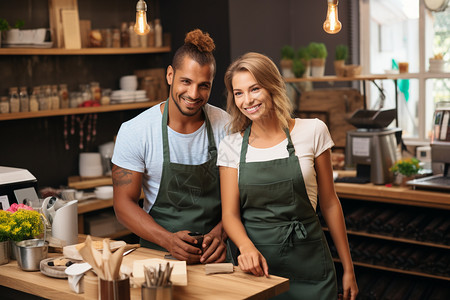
394 194
237 285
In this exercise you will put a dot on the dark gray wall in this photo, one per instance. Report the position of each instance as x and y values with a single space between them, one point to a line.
267 25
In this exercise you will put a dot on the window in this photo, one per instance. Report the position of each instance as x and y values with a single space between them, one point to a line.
395 31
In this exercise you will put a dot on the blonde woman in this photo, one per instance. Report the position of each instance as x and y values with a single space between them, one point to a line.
273 170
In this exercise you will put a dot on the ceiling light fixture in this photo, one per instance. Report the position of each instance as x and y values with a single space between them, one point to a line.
141 27
332 24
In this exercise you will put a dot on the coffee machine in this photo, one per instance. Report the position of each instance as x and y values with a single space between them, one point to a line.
372 148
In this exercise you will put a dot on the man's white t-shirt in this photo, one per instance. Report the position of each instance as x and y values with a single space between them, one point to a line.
310 138
139 146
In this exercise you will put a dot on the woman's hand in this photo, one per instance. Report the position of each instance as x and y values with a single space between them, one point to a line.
349 285
252 261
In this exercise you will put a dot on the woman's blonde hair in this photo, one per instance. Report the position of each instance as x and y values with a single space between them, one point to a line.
267 75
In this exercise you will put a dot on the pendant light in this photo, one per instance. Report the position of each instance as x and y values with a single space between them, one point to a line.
332 24
141 27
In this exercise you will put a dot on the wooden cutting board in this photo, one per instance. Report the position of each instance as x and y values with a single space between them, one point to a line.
55 16
55 271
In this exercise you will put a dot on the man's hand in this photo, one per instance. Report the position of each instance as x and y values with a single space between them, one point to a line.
214 247
181 250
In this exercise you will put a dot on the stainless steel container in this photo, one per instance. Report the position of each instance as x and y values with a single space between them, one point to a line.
29 253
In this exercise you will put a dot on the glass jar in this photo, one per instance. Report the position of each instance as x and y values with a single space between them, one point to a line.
106 97
4 105
96 92
116 38
158 33
43 104
124 35
63 96
24 100
34 103
14 100
55 97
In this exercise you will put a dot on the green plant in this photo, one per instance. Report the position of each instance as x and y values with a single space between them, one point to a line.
317 50
19 24
287 52
4 25
303 54
5 225
341 52
298 68
407 167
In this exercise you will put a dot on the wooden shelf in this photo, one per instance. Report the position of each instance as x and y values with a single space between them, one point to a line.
395 195
77 111
336 78
392 238
83 51
357 263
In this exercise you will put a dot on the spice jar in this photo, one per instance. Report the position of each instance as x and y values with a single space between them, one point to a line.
43 104
24 100
124 35
116 38
158 33
106 97
63 96
4 105
14 101
96 91
34 104
151 35
55 97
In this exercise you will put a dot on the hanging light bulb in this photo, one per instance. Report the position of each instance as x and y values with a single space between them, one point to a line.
332 24
141 27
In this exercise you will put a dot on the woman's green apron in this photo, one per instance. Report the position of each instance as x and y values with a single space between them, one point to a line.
189 195
283 225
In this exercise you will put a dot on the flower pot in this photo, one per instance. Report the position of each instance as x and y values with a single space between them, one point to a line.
286 68
4 252
317 67
339 67
401 180
29 253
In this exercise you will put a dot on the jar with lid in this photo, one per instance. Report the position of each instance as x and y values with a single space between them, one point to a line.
4 105
46 90
55 97
43 104
158 33
63 96
134 38
151 35
106 97
14 100
24 100
149 84
124 35
34 104
116 38
96 91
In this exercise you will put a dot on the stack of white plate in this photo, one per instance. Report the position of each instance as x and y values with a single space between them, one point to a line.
122 96
436 66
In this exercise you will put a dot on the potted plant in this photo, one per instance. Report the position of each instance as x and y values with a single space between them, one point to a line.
304 56
287 61
298 68
340 56
405 169
5 230
319 53
4 26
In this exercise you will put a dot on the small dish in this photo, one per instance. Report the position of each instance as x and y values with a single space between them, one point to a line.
104 192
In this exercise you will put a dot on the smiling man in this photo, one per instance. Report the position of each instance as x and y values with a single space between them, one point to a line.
170 151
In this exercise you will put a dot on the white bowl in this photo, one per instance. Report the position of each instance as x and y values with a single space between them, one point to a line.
104 192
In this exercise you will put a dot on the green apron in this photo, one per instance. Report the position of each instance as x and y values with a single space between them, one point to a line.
284 227
189 195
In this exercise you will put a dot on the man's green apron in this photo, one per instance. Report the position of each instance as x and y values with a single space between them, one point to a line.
283 225
189 195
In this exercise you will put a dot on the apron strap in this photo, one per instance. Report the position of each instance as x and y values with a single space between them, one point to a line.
212 149
290 146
